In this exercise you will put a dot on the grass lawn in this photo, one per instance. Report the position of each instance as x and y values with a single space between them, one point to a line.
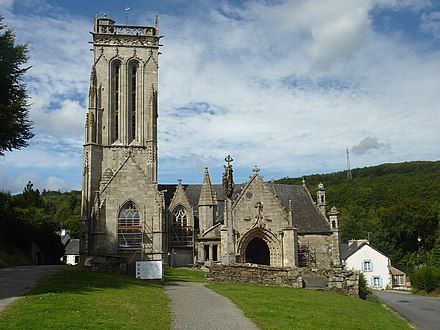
273 307
82 299
184 275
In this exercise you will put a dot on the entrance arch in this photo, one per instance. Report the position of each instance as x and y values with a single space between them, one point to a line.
260 246
257 252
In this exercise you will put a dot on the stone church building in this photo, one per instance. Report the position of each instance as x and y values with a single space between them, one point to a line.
127 213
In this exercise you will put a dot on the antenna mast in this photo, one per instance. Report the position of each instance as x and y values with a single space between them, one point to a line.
349 176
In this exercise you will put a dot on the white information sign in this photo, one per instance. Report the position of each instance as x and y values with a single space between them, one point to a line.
149 270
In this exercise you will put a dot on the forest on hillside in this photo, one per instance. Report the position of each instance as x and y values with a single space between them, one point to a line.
395 206
33 218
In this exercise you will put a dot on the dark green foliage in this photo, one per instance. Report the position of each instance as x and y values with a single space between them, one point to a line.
426 279
390 204
24 221
65 209
15 128
364 289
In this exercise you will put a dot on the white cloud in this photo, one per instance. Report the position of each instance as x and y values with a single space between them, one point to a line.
287 86
16 185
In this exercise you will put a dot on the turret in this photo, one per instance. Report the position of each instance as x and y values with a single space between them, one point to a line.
320 197
333 218
207 204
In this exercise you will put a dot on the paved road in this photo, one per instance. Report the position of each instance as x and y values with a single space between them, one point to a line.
196 307
16 281
424 312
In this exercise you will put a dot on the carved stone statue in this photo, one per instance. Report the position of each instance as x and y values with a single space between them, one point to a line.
228 181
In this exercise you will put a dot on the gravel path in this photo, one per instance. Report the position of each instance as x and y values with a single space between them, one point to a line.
196 307
17 281
422 311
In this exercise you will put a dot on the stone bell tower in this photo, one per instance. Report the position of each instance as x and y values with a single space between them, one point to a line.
122 208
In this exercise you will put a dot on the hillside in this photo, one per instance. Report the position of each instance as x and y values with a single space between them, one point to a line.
392 204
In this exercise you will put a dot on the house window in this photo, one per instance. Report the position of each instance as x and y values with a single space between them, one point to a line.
376 281
129 228
398 280
367 266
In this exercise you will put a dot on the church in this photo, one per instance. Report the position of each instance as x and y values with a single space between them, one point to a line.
127 213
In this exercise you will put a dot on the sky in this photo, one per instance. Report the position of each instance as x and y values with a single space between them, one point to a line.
285 85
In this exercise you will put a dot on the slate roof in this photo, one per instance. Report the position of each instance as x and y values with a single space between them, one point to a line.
306 216
72 247
348 250
395 271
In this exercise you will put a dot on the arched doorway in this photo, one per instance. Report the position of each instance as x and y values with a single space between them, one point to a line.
257 252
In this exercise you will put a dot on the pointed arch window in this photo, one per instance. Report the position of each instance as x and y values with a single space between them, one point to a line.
129 227
180 217
133 73
181 230
115 104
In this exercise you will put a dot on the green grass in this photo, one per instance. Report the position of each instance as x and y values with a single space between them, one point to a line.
90 300
184 275
273 307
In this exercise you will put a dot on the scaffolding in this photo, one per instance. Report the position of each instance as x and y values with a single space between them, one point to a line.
306 256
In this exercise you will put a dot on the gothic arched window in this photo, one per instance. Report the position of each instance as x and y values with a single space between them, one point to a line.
181 231
133 68
129 227
115 72
180 217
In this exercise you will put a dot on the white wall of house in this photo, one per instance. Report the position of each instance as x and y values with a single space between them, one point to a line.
374 266
72 259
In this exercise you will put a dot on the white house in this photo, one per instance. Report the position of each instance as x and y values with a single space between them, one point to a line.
71 254
376 267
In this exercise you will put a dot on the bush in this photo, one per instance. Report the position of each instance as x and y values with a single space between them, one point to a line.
426 279
364 289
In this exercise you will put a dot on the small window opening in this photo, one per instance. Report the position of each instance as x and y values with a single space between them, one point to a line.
207 256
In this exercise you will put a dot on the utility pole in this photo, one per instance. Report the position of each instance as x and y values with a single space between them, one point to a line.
349 176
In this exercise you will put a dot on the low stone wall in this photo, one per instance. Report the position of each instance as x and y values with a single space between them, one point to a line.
344 281
112 264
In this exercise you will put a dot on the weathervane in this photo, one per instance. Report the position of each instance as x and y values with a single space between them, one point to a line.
126 14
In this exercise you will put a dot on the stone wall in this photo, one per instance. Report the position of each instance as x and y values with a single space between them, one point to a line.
344 281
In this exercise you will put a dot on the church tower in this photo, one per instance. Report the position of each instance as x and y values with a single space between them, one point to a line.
122 210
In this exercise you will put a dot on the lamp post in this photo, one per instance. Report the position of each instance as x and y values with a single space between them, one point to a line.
419 239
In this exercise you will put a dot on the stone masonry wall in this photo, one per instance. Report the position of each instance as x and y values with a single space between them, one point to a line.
344 281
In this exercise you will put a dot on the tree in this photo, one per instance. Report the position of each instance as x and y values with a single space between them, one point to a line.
15 127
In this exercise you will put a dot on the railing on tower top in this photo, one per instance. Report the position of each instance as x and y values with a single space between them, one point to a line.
127 30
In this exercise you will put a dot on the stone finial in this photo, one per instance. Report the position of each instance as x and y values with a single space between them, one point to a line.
179 182
256 169
206 193
321 186
333 211
304 182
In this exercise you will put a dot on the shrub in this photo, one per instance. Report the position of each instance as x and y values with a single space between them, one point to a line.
364 289
426 279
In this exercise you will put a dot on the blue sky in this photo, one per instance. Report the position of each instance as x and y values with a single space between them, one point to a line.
286 85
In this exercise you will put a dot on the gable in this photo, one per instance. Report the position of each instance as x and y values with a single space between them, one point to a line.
366 251
256 205
180 198
129 176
